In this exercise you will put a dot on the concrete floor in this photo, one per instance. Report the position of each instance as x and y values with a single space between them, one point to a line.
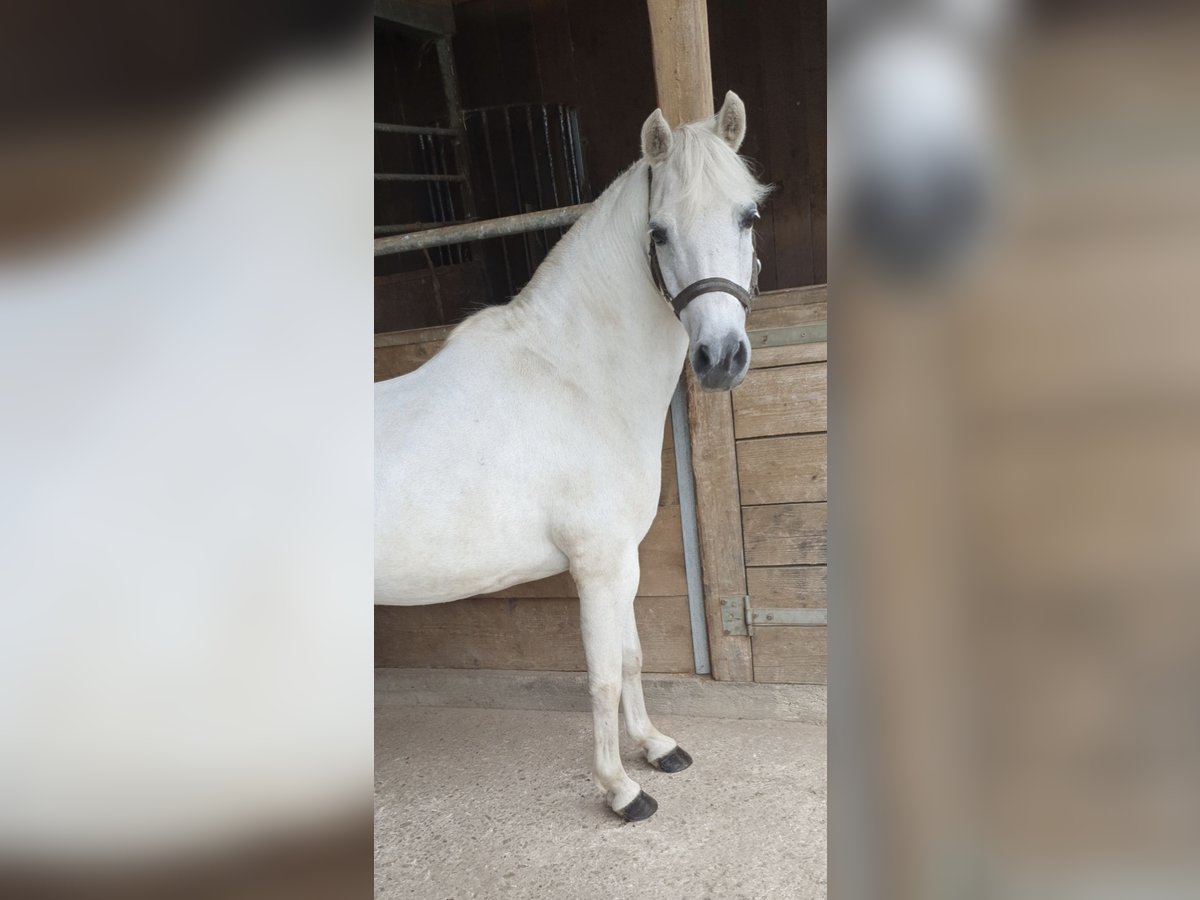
481 803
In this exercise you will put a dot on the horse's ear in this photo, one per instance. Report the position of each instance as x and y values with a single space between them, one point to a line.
656 137
731 120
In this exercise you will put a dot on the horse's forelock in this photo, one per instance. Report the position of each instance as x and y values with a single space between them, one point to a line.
700 165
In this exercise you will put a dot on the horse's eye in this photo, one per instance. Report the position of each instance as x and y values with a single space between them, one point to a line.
750 217
658 234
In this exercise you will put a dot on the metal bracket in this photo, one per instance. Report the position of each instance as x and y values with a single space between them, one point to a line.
787 335
789 616
733 615
739 617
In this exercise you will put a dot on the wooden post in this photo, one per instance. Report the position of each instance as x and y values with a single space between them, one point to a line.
683 75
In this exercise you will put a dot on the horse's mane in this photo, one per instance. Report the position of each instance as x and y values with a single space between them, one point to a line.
700 166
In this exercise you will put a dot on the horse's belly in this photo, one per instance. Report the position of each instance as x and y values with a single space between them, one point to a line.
422 563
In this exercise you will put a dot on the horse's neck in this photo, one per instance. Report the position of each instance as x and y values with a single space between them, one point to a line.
598 314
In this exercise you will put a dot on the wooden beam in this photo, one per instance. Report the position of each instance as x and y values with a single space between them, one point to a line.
683 76
682 72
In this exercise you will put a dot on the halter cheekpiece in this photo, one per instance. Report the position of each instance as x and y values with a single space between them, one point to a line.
705 285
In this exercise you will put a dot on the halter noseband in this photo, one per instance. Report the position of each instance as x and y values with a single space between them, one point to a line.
705 285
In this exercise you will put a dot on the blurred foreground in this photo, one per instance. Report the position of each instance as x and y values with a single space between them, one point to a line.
1015 496
185 457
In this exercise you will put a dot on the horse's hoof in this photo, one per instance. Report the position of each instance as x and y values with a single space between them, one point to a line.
675 761
643 806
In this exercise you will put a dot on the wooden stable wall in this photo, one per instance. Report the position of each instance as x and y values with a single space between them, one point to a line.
779 420
536 625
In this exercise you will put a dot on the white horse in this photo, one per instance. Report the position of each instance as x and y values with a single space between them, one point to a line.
531 444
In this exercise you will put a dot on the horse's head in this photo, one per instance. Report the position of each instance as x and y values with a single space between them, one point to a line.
912 167
703 206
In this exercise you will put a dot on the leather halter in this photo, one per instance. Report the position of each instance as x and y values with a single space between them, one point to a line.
705 285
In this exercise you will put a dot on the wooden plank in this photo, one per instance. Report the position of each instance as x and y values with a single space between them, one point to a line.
783 469
793 355
803 587
660 555
683 79
521 633
392 362
791 654
413 336
668 494
786 535
782 316
784 309
718 502
790 400
792 296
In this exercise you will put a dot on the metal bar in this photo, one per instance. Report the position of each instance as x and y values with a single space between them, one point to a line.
788 616
512 155
550 158
414 129
549 153
572 193
448 212
424 141
411 176
537 172
473 231
691 535
786 336
458 124
491 172
445 195
577 153
435 190
408 227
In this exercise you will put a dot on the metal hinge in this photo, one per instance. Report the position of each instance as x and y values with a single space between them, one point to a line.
739 616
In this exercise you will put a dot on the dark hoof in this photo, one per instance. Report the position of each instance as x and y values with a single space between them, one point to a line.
643 806
675 761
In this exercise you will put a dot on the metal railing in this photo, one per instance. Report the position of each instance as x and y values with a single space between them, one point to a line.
473 231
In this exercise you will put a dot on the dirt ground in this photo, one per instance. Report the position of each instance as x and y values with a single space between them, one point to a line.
481 803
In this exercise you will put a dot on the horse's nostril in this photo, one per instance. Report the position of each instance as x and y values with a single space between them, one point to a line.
742 356
703 359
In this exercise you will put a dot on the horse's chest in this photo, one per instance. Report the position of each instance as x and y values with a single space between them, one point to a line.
609 474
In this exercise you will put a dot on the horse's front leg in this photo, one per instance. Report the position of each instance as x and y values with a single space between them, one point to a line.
661 751
607 579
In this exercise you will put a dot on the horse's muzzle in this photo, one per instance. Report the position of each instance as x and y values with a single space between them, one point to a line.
721 365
